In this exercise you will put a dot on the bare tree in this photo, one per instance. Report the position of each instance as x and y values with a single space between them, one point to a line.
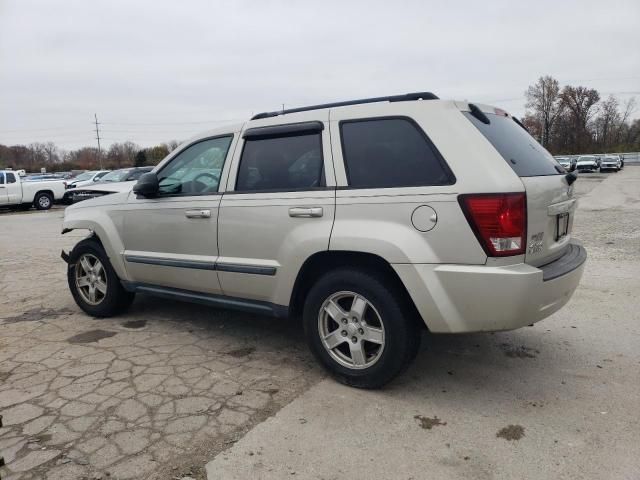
580 103
51 151
607 122
543 99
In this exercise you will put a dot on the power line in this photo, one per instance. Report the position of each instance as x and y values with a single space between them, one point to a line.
95 115
226 120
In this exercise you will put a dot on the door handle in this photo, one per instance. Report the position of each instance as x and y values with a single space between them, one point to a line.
305 212
197 213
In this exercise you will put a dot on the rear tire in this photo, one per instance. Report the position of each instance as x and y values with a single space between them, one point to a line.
371 335
93 282
43 201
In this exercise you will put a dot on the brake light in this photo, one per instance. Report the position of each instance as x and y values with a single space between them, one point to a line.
498 220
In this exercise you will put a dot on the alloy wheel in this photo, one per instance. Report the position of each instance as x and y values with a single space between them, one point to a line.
91 279
351 330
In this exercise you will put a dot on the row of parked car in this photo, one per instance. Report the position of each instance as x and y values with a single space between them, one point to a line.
17 189
592 163
96 183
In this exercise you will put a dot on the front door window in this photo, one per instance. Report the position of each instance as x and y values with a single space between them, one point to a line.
196 170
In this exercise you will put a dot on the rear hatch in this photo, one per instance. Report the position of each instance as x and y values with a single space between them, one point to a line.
550 206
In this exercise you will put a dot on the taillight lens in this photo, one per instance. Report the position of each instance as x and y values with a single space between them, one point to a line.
498 220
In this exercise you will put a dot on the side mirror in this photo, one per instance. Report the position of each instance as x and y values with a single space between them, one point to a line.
147 185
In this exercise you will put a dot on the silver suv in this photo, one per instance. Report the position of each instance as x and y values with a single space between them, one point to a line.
367 220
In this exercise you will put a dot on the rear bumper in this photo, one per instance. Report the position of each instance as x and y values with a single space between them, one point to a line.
480 298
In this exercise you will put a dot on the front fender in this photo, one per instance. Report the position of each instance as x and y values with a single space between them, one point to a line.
104 224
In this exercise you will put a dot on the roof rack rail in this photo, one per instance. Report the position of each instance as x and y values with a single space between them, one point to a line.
393 98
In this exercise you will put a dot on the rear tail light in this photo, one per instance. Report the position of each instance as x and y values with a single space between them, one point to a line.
498 220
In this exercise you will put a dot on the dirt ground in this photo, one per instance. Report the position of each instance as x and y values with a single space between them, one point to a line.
159 392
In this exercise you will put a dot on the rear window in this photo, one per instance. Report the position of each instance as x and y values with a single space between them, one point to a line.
519 149
390 152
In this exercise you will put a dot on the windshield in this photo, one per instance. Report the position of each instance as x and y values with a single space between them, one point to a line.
116 176
587 159
83 176
519 149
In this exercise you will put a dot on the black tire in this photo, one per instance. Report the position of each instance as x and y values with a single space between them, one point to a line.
43 201
401 330
116 300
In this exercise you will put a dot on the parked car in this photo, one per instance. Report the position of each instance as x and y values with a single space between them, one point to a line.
16 191
87 178
125 174
566 163
367 220
610 162
588 163
111 183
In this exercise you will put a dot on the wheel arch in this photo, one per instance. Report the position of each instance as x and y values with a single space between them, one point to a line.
325 261
102 228
48 192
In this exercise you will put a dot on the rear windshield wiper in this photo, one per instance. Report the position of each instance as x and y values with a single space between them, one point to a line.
479 114
520 123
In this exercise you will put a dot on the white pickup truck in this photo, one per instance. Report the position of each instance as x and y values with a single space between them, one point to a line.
14 191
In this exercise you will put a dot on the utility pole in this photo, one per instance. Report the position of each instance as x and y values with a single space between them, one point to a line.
98 138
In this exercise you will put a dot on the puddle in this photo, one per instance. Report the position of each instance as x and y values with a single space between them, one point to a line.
90 336
135 324
37 314
428 423
511 432
241 352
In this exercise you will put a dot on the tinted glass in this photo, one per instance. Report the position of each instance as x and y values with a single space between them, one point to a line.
390 153
519 149
11 178
281 163
196 170
1 178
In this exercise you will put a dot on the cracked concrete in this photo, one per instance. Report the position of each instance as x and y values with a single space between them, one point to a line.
154 393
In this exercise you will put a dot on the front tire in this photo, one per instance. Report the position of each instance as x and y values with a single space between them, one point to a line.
43 201
360 327
93 282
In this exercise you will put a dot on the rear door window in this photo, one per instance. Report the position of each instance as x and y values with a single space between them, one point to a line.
520 150
281 163
390 152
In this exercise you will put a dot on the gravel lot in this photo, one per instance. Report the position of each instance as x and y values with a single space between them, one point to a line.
162 390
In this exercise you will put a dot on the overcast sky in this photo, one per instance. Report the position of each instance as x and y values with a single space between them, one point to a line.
158 70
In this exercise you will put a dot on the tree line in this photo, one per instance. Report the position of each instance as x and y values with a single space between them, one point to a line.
572 120
34 156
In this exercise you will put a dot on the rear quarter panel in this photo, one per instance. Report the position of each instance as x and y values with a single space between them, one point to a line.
379 220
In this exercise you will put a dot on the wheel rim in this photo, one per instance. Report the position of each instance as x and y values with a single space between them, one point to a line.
91 279
44 201
351 330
